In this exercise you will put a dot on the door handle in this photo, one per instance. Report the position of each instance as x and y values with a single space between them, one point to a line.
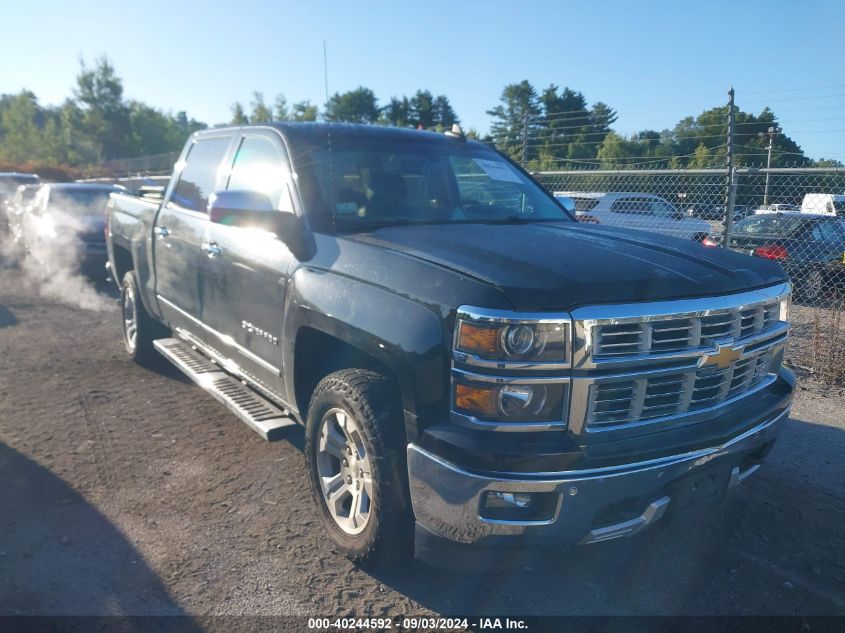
161 231
211 249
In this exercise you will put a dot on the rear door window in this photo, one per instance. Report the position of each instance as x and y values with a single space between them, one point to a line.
199 175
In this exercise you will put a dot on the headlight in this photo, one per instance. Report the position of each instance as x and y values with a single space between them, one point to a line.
511 367
517 341
785 305
513 402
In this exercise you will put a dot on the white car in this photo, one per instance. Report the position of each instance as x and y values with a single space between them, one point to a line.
640 211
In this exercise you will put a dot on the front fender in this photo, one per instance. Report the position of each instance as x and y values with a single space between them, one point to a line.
405 335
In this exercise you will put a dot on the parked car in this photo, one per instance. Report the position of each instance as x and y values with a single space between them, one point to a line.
641 211
17 207
742 211
66 223
810 247
716 213
9 182
472 366
825 203
710 212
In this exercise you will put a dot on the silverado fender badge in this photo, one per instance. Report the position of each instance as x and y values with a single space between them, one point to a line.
249 327
723 354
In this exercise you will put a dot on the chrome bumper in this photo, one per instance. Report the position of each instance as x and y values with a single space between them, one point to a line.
447 499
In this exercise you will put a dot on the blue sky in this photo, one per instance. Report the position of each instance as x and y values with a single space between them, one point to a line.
655 62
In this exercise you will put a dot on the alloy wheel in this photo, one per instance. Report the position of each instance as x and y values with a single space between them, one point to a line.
344 470
130 320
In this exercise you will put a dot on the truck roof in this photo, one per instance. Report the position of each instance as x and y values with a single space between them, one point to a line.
319 131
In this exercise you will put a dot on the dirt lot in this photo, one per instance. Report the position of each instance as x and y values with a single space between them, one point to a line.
124 490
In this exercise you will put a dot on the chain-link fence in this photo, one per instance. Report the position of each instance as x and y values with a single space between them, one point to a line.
793 216
155 165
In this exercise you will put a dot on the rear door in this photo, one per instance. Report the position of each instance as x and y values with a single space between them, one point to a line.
180 228
245 278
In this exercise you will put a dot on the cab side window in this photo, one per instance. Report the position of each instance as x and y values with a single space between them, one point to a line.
199 175
260 166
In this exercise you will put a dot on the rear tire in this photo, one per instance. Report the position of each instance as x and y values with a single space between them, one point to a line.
354 444
139 328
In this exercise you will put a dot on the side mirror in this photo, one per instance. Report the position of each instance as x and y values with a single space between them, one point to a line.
240 208
253 209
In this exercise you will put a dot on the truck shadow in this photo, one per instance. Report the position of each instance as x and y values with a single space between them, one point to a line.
771 548
60 556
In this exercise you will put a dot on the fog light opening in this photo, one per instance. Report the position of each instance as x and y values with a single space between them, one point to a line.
518 506
509 499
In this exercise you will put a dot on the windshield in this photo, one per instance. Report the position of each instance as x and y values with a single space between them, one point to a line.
839 206
80 201
769 225
366 182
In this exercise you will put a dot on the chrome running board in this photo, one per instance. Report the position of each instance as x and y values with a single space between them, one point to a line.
264 417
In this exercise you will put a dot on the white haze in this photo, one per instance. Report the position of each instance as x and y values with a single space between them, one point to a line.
51 261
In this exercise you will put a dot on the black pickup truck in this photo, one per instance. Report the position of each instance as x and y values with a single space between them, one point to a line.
471 365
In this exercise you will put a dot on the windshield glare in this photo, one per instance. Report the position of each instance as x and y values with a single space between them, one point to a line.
395 182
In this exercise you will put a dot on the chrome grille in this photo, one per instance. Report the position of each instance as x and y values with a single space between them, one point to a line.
670 393
655 335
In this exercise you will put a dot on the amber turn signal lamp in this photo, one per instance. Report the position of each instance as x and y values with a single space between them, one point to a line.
476 400
475 339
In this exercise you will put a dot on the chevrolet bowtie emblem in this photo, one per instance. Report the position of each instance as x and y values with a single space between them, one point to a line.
722 356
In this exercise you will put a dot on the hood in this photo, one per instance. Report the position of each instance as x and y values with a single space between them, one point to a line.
561 266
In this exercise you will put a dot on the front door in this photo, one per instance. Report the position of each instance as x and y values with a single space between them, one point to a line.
245 278
179 230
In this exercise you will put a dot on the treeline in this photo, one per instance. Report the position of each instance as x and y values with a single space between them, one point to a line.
94 125
421 110
550 129
558 129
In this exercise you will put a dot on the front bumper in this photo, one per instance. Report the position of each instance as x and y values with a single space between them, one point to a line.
447 500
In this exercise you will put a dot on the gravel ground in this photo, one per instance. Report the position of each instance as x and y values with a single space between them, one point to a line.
126 490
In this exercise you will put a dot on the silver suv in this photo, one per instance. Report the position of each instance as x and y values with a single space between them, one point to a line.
641 211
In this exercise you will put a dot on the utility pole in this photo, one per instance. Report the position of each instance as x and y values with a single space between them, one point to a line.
524 139
772 131
730 194
326 71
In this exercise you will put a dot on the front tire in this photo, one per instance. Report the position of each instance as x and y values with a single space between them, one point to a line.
139 328
356 464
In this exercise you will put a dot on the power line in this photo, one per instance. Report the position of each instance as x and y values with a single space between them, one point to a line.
538 142
751 92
